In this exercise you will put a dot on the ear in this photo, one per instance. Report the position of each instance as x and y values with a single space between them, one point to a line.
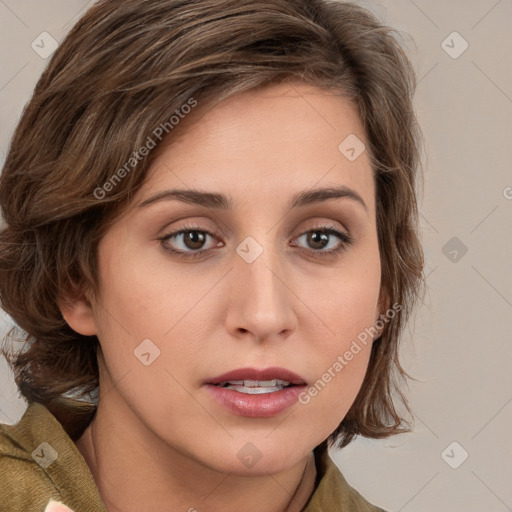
77 311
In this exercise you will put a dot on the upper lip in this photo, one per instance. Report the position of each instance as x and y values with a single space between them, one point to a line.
264 374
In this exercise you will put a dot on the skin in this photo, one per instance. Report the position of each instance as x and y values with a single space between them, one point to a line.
158 440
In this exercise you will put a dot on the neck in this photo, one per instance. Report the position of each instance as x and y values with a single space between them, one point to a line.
136 471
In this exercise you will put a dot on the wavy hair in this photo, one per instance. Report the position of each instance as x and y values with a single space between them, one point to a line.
124 69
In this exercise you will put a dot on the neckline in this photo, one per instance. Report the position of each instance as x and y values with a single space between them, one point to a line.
73 479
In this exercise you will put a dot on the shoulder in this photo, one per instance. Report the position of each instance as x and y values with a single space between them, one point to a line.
24 485
39 462
333 492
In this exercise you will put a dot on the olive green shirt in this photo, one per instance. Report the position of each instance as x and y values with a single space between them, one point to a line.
39 462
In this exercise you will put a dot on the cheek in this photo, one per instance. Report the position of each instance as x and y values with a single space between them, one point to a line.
346 301
346 306
143 297
142 300
339 363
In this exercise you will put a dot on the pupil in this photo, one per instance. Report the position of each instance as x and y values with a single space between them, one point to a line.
194 239
318 237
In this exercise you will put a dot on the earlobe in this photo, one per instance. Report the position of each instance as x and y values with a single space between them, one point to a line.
79 314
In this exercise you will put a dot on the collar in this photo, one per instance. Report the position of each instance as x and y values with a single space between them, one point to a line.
40 432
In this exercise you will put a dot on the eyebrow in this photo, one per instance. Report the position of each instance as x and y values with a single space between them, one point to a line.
216 200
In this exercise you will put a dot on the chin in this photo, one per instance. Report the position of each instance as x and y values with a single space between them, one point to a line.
256 455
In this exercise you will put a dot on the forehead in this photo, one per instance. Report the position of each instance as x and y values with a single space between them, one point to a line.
282 137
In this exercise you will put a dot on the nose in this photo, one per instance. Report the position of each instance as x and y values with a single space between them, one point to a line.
261 303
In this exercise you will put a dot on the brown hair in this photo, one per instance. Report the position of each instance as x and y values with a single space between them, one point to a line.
124 69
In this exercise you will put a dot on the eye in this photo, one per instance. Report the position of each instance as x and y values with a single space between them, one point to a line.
192 242
189 242
322 240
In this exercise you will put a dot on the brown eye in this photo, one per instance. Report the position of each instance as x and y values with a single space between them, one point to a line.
194 239
317 239
189 242
325 240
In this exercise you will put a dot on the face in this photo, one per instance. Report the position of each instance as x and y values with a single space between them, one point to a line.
246 266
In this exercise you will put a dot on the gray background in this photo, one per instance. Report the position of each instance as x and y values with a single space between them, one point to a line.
459 347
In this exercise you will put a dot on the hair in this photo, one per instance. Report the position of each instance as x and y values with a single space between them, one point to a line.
124 69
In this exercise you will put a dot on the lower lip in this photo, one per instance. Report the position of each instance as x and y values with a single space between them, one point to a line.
264 405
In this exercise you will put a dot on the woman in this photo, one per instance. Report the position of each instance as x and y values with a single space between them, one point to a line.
211 219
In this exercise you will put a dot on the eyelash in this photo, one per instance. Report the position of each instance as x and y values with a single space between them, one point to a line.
346 241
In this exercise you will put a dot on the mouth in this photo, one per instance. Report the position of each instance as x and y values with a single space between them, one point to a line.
256 387
256 393
253 381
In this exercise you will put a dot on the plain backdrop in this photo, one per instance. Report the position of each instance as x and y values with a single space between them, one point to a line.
459 348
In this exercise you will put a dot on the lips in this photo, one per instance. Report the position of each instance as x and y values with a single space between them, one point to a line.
256 393
253 375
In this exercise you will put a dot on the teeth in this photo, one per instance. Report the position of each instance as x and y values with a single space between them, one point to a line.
255 390
256 383
255 387
274 382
